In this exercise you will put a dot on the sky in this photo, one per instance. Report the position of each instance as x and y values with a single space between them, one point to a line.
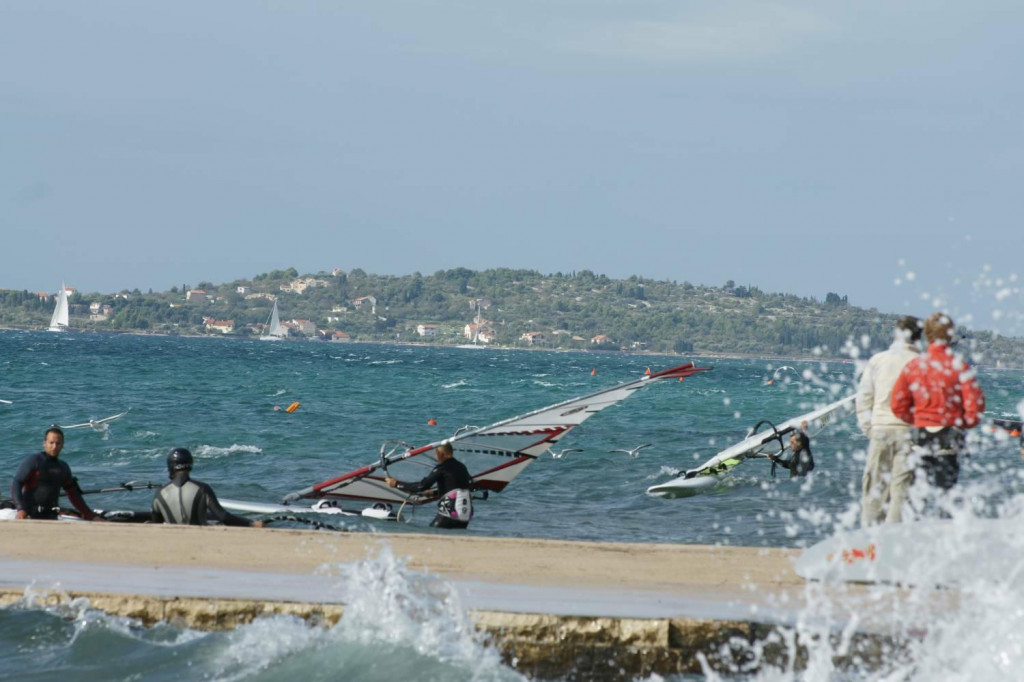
872 149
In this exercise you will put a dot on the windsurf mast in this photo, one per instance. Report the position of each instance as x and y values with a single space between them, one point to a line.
494 454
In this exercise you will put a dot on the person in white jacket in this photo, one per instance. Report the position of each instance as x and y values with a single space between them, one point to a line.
889 435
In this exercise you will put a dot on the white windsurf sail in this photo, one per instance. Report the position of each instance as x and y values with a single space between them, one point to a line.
96 424
494 454
752 446
59 319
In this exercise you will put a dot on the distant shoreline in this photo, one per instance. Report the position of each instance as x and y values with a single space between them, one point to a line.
710 355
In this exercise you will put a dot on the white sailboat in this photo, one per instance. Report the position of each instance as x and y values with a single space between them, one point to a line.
275 331
59 321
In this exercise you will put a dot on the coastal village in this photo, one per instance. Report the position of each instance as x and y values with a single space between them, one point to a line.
479 331
580 311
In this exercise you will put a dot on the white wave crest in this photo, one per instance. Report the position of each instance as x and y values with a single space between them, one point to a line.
256 647
664 471
387 603
214 451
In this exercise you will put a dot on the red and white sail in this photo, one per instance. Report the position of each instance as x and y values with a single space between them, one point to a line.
494 454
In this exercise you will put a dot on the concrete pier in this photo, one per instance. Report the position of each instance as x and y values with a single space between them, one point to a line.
554 609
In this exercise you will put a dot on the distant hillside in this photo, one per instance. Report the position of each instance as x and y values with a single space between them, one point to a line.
579 310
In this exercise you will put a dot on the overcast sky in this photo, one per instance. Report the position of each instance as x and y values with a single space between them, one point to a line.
873 148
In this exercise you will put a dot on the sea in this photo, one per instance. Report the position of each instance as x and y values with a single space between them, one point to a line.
225 400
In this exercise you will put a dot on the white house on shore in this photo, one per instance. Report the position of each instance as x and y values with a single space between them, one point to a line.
100 312
534 338
427 330
222 326
371 301
479 332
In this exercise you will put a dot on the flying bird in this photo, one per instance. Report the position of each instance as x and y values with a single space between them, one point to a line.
562 453
635 451
98 425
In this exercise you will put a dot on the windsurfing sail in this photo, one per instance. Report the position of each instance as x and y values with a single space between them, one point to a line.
96 424
59 319
752 446
776 373
275 332
494 454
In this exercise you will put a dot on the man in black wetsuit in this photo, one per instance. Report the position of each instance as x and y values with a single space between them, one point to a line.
452 480
38 482
800 462
187 502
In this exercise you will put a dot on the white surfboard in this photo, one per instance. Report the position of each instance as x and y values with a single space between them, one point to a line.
685 487
12 514
925 553
260 507
384 512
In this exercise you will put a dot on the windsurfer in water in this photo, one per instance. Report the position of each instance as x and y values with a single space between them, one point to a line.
800 461
452 480
191 503
38 482
1015 427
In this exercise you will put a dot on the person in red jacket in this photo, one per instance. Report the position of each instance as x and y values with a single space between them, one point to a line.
939 395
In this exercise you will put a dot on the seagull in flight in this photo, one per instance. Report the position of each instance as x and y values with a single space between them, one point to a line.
562 453
635 451
98 425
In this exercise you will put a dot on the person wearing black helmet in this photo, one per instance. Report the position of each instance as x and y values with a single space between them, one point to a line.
188 502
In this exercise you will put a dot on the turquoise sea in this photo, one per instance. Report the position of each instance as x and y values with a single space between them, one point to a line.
217 398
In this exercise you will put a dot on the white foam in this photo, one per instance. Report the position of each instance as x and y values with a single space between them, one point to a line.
388 603
214 451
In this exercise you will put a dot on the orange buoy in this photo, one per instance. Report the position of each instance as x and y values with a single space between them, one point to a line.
648 372
593 372
431 422
1014 433
771 382
291 408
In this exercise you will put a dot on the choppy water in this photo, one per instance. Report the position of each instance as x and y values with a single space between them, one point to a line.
217 397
